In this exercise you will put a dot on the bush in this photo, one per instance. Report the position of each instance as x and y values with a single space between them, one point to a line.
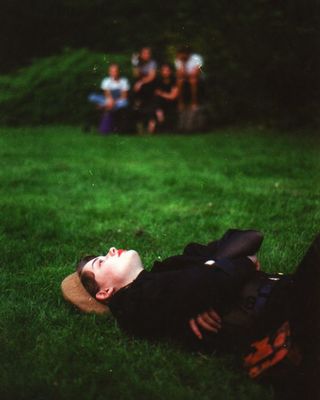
55 89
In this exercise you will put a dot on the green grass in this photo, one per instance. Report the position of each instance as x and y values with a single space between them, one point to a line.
64 194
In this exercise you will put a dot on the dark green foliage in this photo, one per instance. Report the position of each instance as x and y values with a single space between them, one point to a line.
55 88
262 57
64 194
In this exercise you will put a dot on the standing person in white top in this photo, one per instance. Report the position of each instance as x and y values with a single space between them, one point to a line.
188 69
115 91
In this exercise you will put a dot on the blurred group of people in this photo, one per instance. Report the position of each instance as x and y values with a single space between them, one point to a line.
160 96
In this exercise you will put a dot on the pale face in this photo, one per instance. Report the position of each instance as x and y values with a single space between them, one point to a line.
165 71
114 71
145 54
114 270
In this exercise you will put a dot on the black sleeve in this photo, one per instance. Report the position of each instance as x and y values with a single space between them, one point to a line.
173 82
157 84
234 243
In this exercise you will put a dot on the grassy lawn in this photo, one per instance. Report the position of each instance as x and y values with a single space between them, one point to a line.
65 194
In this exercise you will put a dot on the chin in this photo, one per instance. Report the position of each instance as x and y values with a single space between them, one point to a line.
132 253
133 257
128 253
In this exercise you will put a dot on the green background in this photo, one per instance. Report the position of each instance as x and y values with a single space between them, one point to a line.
261 57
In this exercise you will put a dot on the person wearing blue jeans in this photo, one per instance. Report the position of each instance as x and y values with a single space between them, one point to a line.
114 97
100 100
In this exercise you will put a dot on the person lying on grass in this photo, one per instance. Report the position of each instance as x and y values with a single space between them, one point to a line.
214 297
163 301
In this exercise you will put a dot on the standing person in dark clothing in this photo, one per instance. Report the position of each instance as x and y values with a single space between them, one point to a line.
145 72
270 319
165 100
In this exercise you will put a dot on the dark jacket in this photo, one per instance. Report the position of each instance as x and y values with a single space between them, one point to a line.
160 303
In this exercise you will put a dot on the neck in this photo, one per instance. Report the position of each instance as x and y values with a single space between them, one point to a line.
131 276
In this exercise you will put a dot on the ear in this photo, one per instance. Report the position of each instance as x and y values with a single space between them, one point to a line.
105 294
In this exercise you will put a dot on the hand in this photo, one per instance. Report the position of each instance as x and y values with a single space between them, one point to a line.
137 86
194 107
256 262
135 59
209 321
110 103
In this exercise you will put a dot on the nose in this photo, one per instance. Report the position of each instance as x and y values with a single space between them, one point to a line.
112 251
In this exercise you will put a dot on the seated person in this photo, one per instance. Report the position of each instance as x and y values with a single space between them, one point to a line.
188 69
165 99
219 291
115 93
115 90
